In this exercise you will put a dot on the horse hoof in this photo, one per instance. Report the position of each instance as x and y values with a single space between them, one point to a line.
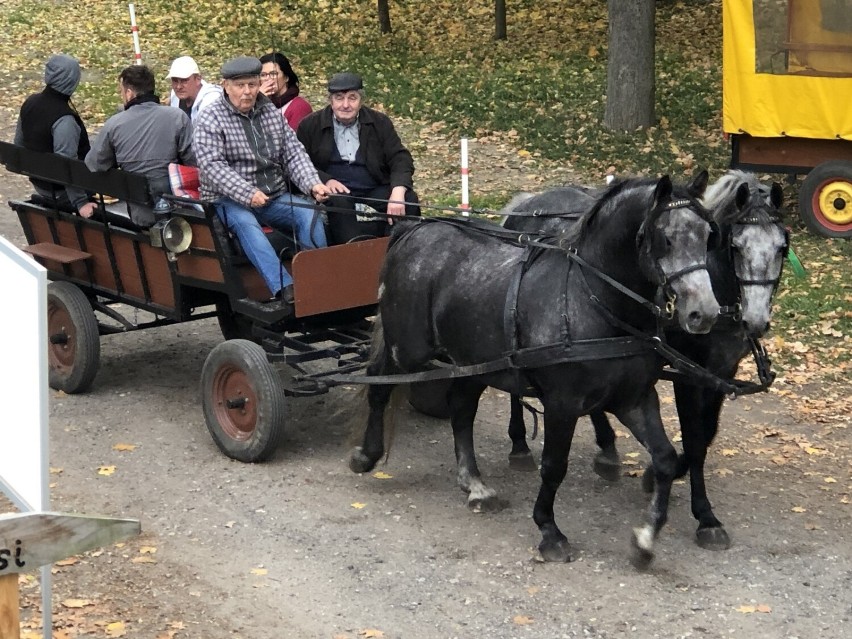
648 481
607 467
713 538
642 549
522 462
558 552
359 462
490 504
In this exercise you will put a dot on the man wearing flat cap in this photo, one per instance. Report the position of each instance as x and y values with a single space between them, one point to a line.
361 159
249 161
190 93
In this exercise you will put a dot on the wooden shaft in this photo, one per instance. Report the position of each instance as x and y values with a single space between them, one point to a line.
10 617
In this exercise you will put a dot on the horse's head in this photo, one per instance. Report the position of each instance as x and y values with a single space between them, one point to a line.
672 245
754 245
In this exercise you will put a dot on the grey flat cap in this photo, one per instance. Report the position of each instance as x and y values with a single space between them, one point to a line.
345 82
241 67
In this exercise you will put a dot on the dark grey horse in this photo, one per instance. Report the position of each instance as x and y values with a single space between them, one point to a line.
456 293
744 269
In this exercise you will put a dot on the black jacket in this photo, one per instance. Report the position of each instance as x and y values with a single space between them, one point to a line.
388 161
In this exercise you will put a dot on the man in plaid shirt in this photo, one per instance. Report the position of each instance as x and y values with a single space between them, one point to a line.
247 158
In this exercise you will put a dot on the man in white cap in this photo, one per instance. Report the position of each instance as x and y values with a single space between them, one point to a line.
190 92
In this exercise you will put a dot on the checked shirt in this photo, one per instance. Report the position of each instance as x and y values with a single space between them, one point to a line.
240 153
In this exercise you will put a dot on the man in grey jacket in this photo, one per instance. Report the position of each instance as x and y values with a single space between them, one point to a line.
145 137
50 124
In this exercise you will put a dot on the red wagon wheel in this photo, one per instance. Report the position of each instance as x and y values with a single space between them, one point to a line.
243 401
825 199
74 347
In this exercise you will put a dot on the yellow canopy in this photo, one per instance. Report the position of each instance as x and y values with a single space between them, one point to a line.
793 75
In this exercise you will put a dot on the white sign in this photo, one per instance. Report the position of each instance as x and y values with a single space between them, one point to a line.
23 379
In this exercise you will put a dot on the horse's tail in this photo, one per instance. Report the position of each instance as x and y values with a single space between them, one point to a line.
377 365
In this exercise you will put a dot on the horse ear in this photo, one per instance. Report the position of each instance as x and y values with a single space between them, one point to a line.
698 184
742 197
663 192
776 195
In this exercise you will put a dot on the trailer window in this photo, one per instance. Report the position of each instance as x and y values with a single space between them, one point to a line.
803 37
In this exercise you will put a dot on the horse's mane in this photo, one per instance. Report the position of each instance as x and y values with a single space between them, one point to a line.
611 199
721 195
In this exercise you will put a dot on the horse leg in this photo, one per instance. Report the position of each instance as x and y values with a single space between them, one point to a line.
520 458
464 400
645 420
558 433
364 457
607 463
699 411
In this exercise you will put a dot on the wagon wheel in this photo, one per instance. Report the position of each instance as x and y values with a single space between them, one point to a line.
233 325
430 398
243 401
825 199
73 342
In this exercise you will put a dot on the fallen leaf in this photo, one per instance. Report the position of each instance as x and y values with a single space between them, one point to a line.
55 471
67 562
830 480
147 550
763 608
124 447
143 560
116 629
106 470
371 632
381 475
258 571
746 609
532 590
77 603
799 509
358 505
522 620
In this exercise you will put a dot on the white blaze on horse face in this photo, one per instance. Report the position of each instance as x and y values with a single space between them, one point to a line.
758 257
686 246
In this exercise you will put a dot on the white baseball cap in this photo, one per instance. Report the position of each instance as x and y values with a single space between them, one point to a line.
183 67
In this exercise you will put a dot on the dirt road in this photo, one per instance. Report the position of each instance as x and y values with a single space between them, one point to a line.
300 547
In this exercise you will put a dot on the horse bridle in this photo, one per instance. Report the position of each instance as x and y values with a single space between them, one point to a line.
666 280
735 311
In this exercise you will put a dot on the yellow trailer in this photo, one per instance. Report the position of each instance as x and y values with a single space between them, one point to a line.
787 99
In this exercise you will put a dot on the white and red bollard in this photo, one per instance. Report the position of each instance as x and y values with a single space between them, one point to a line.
135 31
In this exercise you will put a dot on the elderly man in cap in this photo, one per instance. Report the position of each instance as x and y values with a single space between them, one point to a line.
190 92
49 123
358 153
249 159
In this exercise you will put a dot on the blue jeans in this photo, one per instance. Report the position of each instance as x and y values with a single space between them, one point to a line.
286 213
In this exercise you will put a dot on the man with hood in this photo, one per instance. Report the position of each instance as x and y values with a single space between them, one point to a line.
49 123
146 136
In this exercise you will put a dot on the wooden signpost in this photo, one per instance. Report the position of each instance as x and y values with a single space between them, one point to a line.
31 540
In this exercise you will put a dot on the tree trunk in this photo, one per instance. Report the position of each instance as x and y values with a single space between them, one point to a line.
499 19
384 16
630 68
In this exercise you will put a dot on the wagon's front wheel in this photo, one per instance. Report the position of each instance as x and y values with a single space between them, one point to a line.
73 346
825 199
243 401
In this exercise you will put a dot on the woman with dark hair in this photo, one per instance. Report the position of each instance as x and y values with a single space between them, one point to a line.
280 84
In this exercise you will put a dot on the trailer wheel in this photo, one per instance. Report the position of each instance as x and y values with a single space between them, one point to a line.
825 199
430 398
243 401
73 340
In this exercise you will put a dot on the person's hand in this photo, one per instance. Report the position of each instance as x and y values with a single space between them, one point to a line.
396 206
321 191
259 198
336 187
88 209
267 87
